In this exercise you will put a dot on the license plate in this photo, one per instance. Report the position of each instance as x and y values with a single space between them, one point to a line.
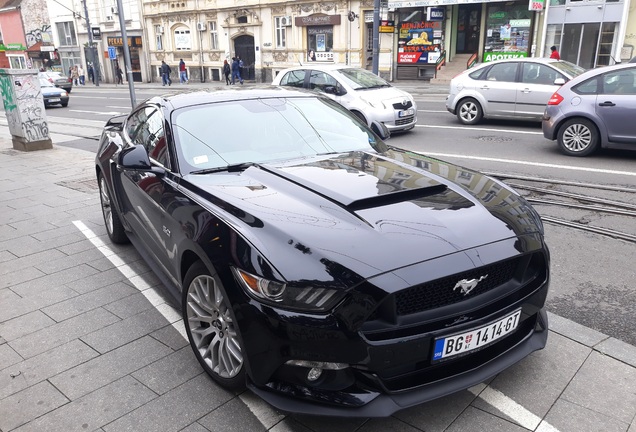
477 338
54 100
406 113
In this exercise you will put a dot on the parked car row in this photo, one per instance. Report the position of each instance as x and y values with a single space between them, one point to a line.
582 111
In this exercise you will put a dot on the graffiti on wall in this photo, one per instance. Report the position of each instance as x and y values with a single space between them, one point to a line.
30 103
38 35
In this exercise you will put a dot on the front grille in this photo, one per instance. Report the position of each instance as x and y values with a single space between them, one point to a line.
441 292
404 121
399 106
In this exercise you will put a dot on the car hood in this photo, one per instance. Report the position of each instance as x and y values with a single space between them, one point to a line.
385 94
51 91
367 212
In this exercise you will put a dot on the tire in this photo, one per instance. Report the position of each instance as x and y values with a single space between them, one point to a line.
211 327
578 137
469 112
114 228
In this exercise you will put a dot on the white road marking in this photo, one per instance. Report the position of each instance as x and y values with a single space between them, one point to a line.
112 113
537 164
261 409
118 107
511 408
100 97
480 129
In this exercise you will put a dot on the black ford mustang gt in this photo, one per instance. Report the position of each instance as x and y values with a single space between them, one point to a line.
329 272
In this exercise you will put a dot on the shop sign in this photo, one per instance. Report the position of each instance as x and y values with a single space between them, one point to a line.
503 55
97 33
12 47
519 23
49 48
314 20
416 42
133 41
387 26
536 5
396 4
435 14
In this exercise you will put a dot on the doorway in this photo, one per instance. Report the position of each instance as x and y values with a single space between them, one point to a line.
468 27
244 48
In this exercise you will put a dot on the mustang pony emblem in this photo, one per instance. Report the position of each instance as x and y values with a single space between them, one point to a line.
468 285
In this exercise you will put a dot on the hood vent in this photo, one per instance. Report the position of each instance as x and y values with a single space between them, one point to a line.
392 198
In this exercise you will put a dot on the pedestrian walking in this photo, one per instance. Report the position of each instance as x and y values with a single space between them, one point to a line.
120 75
241 71
75 75
236 71
82 76
554 54
165 73
183 72
226 71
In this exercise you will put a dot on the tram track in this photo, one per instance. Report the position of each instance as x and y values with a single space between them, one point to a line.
540 196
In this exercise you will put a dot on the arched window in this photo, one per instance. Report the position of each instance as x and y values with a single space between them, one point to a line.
182 40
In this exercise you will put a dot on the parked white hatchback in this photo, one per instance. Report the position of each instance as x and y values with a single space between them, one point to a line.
362 92
513 89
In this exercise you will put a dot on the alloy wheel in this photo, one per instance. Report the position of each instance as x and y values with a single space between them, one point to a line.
212 328
107 209
577 137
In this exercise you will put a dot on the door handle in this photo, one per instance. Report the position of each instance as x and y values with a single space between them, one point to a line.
526 90
607 103
484 87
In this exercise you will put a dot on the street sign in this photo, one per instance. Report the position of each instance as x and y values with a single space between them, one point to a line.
112 53
97 33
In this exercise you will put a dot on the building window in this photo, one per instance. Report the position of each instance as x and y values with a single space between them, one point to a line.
159 37
182 41
17 62
214 36
281 32
507 31
320 42
66 33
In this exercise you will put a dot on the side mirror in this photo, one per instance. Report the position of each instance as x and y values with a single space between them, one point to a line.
559 81
135 158
380 130
331 90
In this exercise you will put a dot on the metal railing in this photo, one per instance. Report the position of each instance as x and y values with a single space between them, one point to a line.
471 61
441 61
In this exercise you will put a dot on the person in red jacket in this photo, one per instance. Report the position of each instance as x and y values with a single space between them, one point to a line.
554 54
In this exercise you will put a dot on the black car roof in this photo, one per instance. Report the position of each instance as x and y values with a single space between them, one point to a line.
212 95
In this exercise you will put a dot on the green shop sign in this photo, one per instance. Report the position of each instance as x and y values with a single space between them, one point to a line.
501 55
12 47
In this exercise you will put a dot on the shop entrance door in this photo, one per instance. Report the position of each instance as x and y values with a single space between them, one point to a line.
244 48
468 22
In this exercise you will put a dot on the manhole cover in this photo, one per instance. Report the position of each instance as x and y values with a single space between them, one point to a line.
88 185
494 138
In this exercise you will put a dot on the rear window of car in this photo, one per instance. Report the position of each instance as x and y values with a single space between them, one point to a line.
587 87
568 68
293 78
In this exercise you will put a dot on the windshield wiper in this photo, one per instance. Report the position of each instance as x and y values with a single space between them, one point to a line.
374 87
229 168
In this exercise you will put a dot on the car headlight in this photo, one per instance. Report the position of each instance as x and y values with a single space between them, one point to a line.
304 298
64 94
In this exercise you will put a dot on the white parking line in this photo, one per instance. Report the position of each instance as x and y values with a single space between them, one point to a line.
511 408
480 129
537 164
261 410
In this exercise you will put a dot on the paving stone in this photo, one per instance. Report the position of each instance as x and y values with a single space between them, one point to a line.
537 381
6 256
19 276
8 356
130 306
191 401
67 262
95 409
124 331
20 246
563 326
24 325
474 419
606 386
18 306
100 371
63 332
438 414
169 335
32 260
619 350
196 427
43 366
29 404
386 424
96 281
232 416
291 425
78 246
170 371
57 232
569 417
266 414
89 301
42 284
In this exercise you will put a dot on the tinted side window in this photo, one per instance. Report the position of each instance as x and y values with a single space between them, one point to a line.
619 82
587 87
319 80
294 78
535 73
477 74
506 72
146 129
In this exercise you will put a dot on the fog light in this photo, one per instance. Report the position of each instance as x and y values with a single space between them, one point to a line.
314 374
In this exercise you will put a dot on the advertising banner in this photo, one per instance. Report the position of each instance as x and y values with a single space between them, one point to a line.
416 43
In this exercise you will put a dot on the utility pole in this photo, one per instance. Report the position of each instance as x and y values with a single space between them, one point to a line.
91 49
376 36
127 63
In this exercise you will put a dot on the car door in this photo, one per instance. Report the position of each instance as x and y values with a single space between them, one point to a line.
535 88
616 105
294 78
319 81
498 86
150 192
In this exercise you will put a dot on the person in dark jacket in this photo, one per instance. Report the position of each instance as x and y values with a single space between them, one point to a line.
226 71
236 71
165 73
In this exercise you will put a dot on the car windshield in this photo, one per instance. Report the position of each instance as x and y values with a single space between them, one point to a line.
568 68
360 79
265 130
